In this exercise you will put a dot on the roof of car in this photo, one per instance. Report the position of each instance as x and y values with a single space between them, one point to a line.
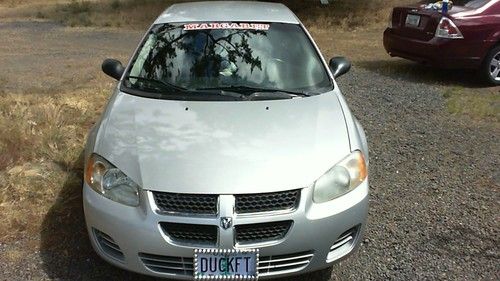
231 11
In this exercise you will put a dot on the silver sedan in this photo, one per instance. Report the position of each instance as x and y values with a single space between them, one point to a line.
226 150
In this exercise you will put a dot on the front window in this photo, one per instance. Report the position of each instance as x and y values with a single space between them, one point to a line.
203 60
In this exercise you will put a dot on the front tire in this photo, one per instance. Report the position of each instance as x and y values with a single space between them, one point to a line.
321 275
491 66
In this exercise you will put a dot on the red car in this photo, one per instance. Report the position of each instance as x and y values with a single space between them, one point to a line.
466 37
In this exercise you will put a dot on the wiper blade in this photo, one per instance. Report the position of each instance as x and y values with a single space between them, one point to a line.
221 92
162 84
252 90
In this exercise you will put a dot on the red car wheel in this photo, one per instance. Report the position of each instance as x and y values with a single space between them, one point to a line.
491 66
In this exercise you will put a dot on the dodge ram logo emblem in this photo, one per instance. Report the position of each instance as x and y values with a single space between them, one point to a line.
226 222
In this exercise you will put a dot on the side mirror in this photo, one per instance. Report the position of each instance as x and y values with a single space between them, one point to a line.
339 66
113 68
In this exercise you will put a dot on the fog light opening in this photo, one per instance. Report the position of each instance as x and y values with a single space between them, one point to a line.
343 245
108 245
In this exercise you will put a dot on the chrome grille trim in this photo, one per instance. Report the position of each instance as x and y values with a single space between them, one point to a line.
340 242
267 266
167 265
277 266
273 265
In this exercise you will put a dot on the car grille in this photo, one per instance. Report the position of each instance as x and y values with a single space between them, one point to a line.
272 265
191 233
267 266
186 203
207 204
108 245
266 202
169 265
262 232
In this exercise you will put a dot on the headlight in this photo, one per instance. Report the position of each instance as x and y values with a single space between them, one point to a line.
341 178
109 181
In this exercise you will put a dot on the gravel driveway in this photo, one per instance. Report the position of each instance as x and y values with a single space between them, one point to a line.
434 185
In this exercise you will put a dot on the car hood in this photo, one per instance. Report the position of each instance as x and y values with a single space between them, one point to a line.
223 147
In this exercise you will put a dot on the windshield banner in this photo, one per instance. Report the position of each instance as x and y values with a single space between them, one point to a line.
225 25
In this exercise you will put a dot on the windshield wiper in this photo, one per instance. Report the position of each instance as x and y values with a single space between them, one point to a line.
162 84
169 86
247 90
221 92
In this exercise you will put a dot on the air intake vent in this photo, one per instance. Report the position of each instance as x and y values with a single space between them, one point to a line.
262 232
192 234
197 204
267 202
108 245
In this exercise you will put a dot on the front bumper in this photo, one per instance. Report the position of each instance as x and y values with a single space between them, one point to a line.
307 245
440 52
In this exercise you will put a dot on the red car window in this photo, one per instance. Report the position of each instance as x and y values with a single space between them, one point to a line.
475 4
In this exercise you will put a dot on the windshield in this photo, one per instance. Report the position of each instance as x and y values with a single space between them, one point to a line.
238 57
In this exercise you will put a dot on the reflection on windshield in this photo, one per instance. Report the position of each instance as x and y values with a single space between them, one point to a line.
279 57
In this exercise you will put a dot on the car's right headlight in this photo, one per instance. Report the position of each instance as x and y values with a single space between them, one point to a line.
110 182
342 178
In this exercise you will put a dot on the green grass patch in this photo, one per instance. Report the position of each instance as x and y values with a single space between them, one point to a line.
475 103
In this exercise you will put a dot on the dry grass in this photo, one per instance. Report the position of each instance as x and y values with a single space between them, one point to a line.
483 104
108 13
342 14
42 135
14 255
18 3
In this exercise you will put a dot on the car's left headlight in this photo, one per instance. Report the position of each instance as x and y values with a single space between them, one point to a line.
110 182
341 178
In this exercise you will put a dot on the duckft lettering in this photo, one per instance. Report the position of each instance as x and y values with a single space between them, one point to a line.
224 264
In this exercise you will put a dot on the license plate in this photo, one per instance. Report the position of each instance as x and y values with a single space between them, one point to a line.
226 264
413 20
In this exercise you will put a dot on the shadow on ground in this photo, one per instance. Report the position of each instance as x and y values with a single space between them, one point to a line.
65 248
414 72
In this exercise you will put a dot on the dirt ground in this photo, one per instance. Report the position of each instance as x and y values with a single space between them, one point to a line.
45 55
435 179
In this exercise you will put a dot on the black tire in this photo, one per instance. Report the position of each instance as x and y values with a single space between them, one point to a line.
489 69
321 275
